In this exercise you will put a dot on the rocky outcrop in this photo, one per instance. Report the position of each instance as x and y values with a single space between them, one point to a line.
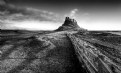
69 24
97 56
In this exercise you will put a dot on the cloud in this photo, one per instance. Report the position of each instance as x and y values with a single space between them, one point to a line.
73 13
12 12
13 17
2 2
46 15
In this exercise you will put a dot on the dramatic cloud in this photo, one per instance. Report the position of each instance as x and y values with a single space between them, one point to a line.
2 2
10 11
12 17
46 15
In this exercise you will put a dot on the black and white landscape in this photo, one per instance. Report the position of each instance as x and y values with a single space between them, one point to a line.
60 36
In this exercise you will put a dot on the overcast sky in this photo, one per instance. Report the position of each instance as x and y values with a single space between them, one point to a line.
50 14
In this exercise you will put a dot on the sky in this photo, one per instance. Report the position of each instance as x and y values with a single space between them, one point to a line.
50 14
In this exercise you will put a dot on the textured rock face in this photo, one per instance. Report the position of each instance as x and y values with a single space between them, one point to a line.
69 24
44 53
97 56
